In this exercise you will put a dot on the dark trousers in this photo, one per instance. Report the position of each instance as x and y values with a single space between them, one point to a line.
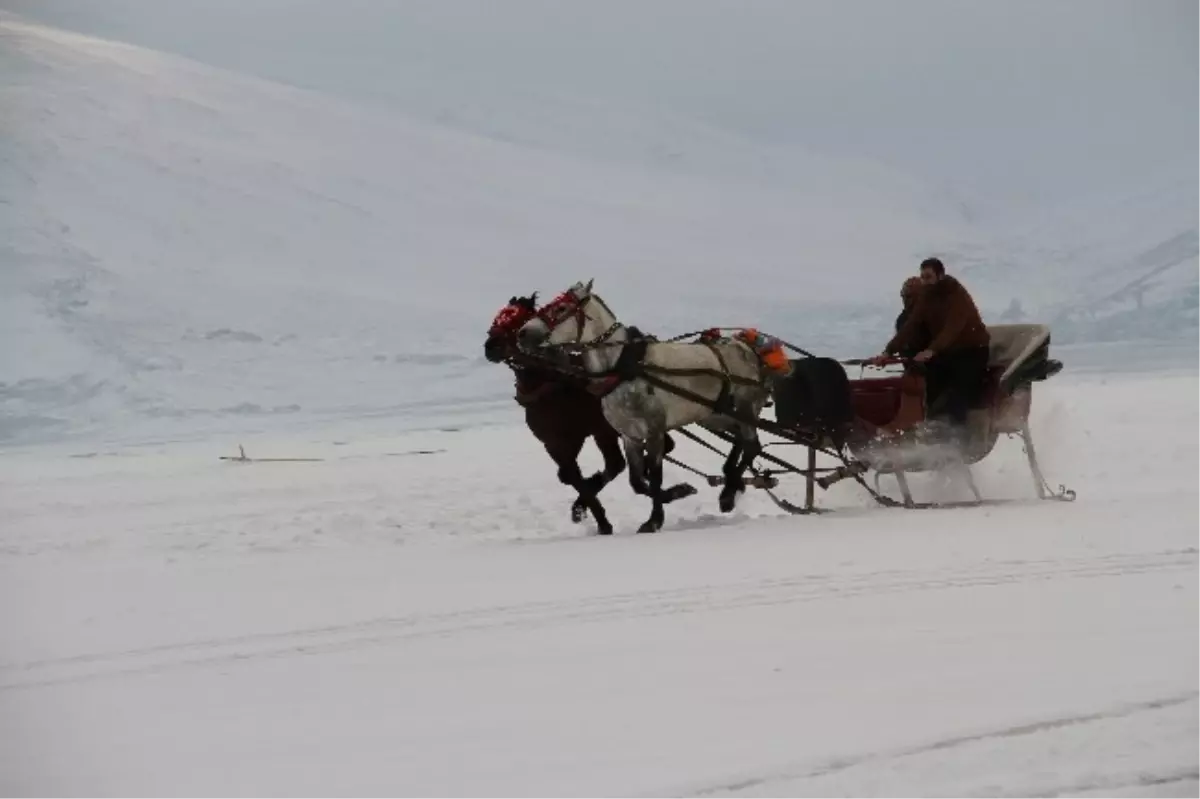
954 382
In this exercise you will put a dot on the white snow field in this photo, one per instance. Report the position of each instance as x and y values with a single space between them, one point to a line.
393 623
193 260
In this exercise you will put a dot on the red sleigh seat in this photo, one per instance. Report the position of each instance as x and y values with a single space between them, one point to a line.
889 402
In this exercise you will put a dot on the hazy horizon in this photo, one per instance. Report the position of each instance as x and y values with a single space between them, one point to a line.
1014 105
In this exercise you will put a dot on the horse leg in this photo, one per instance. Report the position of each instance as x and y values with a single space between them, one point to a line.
733 485
637 467
679 490
609 444
748 447
566 456
654 477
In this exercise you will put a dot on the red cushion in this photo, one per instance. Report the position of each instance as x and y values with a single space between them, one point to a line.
876 400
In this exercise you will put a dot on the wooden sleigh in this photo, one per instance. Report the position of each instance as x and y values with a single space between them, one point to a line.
880 422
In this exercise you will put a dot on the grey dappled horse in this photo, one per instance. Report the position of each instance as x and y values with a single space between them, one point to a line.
640 404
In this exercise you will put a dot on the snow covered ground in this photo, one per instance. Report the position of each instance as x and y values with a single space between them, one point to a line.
415 614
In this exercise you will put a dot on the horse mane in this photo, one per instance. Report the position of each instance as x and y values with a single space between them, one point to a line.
528 303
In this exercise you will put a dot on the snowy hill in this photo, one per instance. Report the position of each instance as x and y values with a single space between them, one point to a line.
1118 266
184 242
186 247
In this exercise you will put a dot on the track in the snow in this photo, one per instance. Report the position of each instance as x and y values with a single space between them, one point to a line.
778 782
540 614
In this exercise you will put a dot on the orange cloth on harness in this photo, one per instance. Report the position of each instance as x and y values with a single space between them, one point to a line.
769 350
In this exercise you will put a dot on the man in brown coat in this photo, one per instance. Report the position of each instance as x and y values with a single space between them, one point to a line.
956 357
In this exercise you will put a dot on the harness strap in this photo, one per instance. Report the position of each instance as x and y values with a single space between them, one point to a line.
738 379
699 399
632 356
724 402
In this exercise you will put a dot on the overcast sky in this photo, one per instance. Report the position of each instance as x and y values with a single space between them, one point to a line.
1012 100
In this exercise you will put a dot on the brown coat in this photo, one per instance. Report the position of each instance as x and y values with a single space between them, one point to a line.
946 312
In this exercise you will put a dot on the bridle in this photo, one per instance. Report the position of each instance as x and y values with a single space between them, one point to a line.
568 306
512 316
518 313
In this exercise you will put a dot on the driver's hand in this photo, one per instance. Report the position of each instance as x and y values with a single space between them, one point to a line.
923 356
879 360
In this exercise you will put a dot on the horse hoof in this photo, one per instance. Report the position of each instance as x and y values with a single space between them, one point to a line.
604 529
678 492
650 527
726 502
578 512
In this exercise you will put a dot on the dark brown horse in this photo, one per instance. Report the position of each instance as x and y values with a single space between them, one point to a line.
562 414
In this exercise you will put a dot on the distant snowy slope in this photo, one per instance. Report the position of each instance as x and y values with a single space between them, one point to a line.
1138 277
658 141
184 243
1095 256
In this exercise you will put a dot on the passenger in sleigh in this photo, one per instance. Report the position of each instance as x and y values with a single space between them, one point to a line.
910 292
909 407
956 355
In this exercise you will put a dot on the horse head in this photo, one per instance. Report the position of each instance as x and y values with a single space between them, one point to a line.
501 340
577 317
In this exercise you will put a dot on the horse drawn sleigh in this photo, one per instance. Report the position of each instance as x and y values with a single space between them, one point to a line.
615 383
